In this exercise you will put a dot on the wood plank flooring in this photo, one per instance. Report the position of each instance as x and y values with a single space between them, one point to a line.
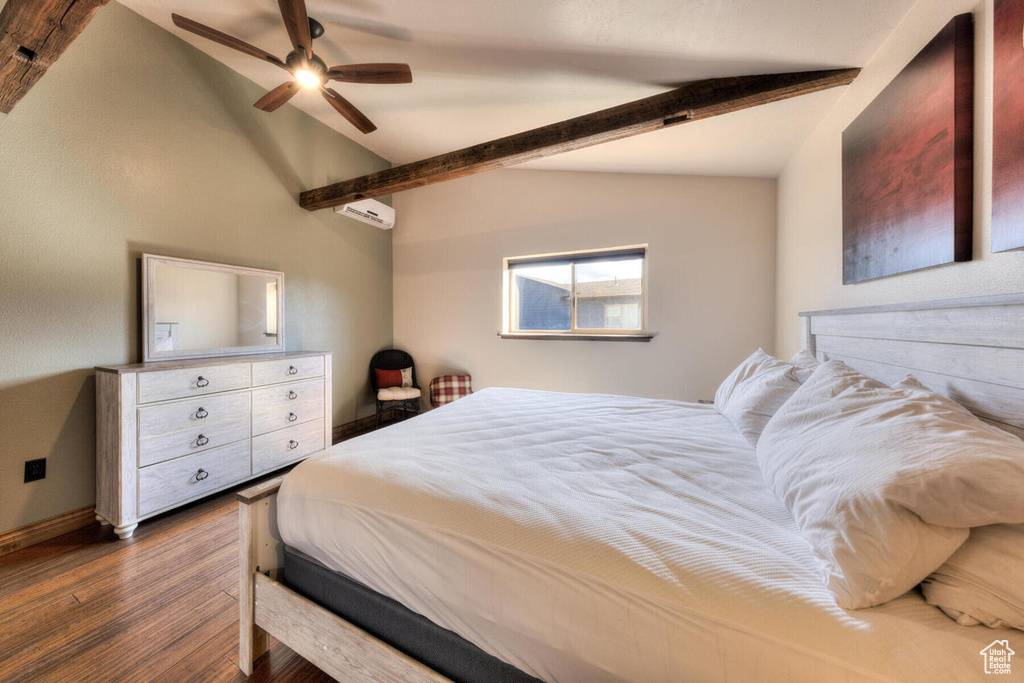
161 606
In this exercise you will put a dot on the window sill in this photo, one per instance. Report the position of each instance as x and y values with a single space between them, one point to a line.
578 337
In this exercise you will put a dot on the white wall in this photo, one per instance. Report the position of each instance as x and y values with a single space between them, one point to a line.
711 267
810 254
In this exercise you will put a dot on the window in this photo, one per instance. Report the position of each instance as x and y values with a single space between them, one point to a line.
593 293
622 316
271 310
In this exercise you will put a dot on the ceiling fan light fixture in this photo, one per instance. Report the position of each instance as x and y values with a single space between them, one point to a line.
307 78
308 71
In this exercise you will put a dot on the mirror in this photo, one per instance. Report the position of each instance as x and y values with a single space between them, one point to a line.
193 309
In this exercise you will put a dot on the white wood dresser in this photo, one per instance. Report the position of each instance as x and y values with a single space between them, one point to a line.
173 431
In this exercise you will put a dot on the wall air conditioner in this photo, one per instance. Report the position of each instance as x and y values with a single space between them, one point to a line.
369 211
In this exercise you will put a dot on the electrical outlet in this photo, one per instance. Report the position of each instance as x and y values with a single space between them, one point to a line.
35 469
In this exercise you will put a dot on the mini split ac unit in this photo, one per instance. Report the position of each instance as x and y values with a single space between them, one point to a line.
369 211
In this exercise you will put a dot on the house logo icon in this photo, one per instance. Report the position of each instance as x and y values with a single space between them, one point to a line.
997 657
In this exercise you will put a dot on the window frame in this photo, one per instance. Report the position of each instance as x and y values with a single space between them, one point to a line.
572 257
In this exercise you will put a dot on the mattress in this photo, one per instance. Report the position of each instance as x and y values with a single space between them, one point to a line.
602 538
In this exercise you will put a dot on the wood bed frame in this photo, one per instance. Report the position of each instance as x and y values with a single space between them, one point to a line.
267 606
971 350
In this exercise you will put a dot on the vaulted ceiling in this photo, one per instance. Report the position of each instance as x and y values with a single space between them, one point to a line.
488 68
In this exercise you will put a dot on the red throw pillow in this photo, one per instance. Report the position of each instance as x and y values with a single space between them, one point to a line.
388 378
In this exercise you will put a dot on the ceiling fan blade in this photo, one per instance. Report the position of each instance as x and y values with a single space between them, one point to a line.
224 39
371 73
278 96
348 110
296 20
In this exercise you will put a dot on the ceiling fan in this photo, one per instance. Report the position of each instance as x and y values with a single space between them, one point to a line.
306 68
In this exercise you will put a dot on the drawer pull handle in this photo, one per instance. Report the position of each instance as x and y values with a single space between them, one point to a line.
292 370
202 440
293 444
201 474
292 396
292 417
201 414
202 382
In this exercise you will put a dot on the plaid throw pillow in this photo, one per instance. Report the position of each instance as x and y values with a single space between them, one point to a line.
447 388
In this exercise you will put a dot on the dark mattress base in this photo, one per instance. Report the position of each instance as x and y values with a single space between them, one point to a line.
442 650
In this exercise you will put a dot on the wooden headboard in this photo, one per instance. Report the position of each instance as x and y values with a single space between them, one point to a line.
971 350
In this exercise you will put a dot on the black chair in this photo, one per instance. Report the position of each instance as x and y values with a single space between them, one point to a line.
407 399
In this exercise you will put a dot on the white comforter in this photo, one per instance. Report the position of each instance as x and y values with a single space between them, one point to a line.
587 537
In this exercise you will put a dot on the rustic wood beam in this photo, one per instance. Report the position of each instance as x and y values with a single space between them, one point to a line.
33 34
691 102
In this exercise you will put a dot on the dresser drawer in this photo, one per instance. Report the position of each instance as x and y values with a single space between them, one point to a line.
161 447
272 419
281 395
192 413
172 483
167 384
286 370
273 407
279 448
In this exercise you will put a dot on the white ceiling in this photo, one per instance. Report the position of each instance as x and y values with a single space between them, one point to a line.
487 68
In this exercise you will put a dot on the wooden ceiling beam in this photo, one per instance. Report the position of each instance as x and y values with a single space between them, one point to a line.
691 102
33 34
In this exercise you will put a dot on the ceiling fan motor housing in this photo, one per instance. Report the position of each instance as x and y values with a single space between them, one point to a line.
297 60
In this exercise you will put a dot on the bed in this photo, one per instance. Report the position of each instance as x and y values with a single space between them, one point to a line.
601 538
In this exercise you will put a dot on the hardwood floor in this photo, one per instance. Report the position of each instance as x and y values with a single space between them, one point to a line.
161 606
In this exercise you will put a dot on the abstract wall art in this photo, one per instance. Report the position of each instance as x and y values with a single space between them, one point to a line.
908 165
1008 127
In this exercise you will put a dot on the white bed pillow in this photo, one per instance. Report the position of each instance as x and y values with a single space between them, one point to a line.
911 382
752 393
805 364
983 582
883 482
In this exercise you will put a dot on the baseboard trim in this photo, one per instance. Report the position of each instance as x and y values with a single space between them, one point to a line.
44 530
360 426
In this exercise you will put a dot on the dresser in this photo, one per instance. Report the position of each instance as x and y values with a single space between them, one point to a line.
174 431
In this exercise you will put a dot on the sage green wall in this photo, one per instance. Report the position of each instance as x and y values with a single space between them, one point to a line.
136 142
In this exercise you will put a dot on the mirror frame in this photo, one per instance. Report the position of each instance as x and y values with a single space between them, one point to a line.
149 354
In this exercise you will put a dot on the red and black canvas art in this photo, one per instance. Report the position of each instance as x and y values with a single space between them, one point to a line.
1008 127
908 165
